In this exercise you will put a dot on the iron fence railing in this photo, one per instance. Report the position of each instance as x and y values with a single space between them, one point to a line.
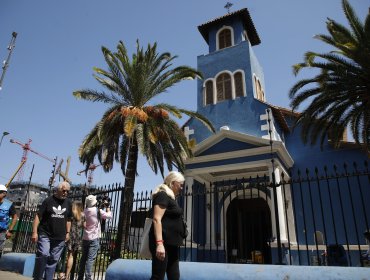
316 218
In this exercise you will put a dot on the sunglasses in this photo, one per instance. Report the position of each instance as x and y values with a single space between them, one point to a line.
3 192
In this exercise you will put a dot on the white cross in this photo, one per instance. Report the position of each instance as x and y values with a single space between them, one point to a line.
188 132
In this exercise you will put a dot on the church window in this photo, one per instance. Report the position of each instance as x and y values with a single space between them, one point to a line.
260 94
223 84
224 38
209 92
238 79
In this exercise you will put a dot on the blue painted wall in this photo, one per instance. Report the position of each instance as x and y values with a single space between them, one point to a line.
243 112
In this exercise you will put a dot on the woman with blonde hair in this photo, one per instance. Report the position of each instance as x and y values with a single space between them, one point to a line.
74 243
168 231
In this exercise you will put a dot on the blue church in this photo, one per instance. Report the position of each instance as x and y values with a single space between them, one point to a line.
258 193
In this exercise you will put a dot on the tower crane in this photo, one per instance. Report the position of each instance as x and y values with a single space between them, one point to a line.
90 174
26 147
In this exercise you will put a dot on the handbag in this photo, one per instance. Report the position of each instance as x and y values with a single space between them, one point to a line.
144 251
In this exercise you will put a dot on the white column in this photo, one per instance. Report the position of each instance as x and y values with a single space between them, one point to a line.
280 205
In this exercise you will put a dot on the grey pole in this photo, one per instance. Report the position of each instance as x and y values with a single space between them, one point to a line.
5 133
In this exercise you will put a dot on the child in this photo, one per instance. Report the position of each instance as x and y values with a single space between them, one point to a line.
74 243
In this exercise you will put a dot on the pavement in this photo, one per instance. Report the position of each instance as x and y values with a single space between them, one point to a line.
12 276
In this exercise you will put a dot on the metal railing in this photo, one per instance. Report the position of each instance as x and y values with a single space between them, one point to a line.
322 216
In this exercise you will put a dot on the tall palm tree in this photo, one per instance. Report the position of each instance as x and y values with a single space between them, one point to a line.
339 96
131 124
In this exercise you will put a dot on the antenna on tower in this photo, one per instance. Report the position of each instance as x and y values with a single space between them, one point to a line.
11 47
228 6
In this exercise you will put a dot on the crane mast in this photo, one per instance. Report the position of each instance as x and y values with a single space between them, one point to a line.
11 47
26 148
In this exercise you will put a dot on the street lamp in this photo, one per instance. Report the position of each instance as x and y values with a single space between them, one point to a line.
5 133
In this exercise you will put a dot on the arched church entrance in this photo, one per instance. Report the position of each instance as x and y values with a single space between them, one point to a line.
248 231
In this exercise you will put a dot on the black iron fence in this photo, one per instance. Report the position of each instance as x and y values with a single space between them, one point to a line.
317 218
306 218
22 239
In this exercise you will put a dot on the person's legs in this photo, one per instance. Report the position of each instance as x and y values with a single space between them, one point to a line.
173 271
56 249
69 263
2 241
93 250
158 267
42 253
61 266
85 250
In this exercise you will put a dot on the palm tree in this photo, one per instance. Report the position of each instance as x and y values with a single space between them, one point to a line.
131 124
339 96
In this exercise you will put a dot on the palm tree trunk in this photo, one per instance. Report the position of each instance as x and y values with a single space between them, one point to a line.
127 200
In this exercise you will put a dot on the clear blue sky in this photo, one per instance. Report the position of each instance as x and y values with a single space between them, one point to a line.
59 43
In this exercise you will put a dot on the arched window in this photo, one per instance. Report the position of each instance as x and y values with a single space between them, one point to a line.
209 92
223 84
224 39
255 87
260 94
238 80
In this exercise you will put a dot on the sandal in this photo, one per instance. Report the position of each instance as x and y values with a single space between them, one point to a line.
62 277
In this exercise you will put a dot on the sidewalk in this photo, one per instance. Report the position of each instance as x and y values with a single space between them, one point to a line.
12 276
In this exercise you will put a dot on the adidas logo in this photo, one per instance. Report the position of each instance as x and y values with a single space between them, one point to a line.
58 212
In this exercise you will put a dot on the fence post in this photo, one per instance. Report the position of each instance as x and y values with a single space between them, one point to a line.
119 238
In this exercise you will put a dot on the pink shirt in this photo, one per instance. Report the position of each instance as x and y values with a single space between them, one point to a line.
92 228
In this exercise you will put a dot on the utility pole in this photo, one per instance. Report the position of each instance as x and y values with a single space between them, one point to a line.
11 47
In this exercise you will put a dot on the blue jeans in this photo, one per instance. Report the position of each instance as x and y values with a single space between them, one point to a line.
89 250
47 256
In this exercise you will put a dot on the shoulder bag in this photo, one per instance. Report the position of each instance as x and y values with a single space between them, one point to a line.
144 251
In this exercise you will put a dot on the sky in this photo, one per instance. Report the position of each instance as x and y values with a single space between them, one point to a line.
59 43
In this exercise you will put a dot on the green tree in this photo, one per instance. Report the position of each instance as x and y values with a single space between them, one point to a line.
131 124
339 94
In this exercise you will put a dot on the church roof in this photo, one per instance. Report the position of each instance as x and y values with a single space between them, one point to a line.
278 114
247 20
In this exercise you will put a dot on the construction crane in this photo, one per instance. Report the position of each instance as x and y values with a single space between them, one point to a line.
64 174
11 47
90 174
26 147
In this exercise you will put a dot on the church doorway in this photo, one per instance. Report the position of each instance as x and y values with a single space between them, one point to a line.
248 231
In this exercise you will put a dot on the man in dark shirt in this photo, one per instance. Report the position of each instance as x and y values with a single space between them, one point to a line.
7 211
51 229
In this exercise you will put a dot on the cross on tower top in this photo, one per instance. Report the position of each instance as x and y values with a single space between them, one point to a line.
228 6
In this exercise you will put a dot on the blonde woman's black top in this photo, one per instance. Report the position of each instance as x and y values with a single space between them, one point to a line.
172 224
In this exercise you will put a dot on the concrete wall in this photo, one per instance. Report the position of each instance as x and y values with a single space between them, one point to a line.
140 270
